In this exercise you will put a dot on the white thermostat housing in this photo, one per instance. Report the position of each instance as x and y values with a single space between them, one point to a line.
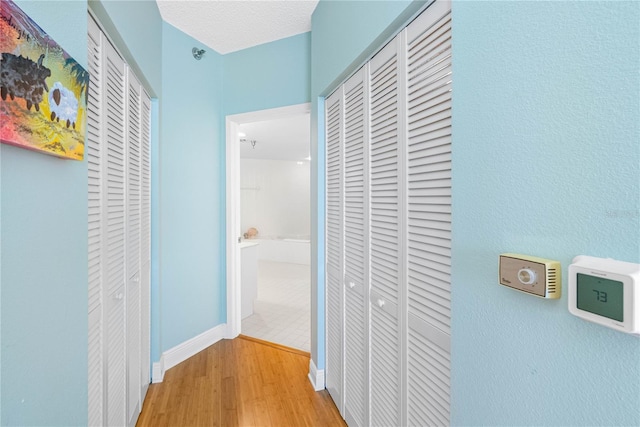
537 276
605 291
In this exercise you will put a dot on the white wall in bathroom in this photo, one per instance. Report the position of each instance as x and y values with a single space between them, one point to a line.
275 197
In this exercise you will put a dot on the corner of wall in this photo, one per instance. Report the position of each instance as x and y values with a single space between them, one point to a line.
185 350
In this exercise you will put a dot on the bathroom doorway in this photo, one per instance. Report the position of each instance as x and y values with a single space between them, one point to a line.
272 225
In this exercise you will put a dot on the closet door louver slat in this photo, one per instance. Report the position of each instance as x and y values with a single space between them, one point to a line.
356 287
334 242
429 216
95 221
384 237
115 144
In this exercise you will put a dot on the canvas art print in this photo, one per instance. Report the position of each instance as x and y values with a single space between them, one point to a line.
43 90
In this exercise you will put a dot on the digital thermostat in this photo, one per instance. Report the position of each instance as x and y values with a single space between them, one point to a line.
605 291
530 274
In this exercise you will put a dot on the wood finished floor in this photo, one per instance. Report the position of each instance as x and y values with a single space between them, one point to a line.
239 382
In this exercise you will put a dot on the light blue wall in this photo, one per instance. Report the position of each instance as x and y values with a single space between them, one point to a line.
546 162
191 253
44 264
343 35
270 75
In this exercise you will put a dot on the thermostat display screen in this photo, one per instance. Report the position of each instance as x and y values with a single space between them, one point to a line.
600 296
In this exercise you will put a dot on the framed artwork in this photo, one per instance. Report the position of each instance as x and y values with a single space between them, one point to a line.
43 91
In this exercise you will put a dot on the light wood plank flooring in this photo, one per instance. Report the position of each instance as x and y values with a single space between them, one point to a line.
239 382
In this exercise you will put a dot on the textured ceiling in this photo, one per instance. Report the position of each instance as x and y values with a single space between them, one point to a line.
227 26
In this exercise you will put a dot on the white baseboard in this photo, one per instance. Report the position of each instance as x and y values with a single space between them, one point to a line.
316 376
157 374
185 350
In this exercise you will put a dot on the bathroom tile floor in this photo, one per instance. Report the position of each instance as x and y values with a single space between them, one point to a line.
281 313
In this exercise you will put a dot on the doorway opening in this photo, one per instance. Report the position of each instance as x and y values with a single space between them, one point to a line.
268 225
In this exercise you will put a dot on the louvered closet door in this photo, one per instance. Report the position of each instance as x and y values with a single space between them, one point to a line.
134 193
115 151
334 255
384 238
396 213
356 325
96 218
118 162
429 216
145 245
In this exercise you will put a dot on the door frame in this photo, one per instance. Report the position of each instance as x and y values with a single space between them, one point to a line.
233 232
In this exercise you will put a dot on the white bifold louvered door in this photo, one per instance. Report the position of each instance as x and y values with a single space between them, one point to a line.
429 216
134 199
118 140
94 150
145 247
388 132
356 291
385 236
334 375
114 145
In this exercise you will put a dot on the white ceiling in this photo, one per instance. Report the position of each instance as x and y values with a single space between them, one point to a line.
228 25
279 139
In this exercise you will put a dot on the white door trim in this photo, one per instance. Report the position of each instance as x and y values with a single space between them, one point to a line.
234 316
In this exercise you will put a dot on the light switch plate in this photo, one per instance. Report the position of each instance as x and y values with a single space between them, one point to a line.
536 276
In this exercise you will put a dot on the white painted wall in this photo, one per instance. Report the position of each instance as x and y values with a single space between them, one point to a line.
275 197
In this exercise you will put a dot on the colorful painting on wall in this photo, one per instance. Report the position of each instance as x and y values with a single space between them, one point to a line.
43 91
